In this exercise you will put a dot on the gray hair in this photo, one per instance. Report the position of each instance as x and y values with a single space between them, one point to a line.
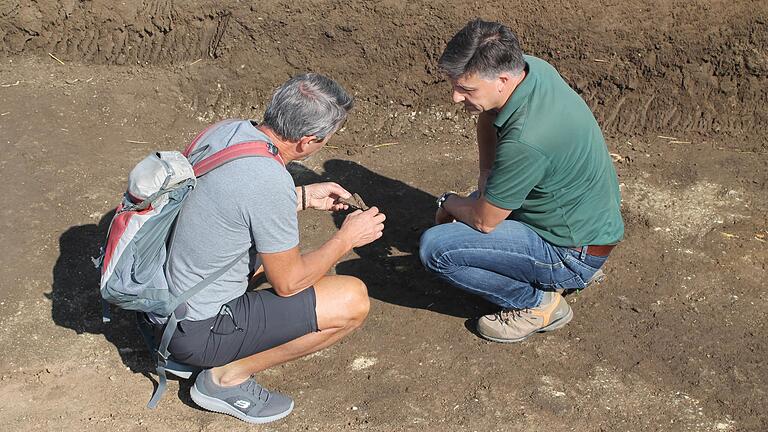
307 105
484 48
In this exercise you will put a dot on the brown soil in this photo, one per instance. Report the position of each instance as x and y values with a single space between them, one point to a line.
674 340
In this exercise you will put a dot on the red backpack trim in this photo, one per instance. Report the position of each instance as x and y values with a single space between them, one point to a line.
237 151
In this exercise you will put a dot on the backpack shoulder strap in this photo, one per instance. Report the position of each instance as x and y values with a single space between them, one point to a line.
192 145
237 151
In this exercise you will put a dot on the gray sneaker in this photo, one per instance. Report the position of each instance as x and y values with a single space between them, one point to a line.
515 325
249 401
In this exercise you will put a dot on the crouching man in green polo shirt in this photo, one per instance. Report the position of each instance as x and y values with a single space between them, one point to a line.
546 214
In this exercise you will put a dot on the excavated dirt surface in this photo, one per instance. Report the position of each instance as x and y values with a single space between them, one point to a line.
674 340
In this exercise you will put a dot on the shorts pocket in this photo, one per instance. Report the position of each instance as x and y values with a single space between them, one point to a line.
224 325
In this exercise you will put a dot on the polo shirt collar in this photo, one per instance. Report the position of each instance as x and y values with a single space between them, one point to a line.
518 96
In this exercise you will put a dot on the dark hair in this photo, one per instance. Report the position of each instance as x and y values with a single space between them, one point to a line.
482 47
306 105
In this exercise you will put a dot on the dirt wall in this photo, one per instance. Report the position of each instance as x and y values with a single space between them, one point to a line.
680 67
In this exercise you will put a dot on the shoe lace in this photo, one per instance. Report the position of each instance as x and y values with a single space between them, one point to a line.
254 388
508 315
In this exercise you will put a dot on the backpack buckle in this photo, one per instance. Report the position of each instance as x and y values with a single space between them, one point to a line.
164 356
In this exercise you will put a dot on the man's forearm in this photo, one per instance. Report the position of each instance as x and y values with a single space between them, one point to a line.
315 264
475 212
462 209
301 201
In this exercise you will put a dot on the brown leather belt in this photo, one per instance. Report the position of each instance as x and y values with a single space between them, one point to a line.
597 250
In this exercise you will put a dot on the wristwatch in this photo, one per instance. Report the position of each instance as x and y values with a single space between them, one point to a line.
444 197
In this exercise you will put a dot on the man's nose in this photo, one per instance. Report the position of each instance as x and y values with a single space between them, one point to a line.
457 97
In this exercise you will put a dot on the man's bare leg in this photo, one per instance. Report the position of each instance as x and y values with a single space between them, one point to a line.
341 306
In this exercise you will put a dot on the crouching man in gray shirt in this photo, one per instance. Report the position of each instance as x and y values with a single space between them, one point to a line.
250 204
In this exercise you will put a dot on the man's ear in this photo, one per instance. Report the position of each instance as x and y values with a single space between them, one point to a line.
304 142
503 80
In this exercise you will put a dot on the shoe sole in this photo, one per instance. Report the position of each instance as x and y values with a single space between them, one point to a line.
554 325
219 406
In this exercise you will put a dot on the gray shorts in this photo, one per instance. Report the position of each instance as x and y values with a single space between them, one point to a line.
249 324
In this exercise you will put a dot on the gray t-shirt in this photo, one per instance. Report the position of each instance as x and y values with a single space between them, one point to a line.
246 204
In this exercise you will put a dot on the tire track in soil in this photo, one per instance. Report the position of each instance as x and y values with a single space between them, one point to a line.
677 81
156 32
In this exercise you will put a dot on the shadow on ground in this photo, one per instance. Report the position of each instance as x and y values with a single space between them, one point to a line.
77 303
390 266
76 300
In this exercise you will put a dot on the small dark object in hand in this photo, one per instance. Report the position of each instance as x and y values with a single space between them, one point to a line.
354 203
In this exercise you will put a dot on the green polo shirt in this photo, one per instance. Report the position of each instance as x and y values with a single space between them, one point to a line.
552 167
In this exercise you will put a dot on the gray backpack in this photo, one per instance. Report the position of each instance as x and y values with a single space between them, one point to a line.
133 262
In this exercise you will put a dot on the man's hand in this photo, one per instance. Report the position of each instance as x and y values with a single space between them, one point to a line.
442 216
361 227
324 196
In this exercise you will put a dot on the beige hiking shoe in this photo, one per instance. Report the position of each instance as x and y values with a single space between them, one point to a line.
515 325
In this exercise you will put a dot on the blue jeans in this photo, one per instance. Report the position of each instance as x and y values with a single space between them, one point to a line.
510 266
